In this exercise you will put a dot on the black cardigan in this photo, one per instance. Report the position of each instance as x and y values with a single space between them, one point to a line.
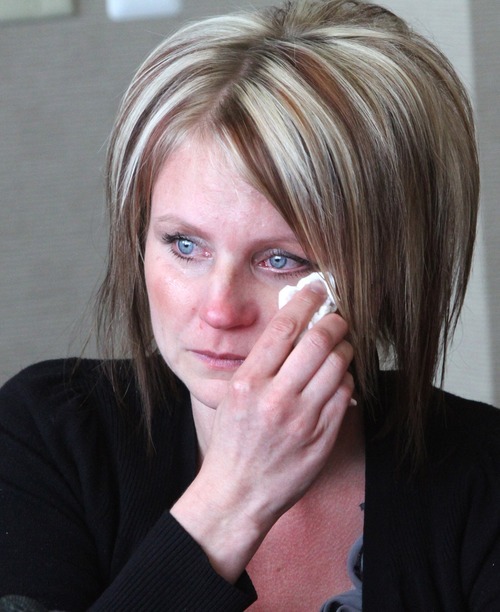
84 521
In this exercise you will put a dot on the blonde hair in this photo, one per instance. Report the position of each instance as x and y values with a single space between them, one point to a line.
358 130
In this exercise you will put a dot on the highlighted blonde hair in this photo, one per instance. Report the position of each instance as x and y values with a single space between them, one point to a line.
358 130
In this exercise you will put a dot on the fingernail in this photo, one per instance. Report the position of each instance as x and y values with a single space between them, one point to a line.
318 287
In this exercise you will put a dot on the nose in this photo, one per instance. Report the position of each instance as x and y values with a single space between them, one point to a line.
230 300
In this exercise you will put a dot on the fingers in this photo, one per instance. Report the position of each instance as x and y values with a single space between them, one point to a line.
321 391
302 375
313 367
275 344
321 354
331 416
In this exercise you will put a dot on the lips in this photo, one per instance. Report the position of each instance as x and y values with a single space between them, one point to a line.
220 360
212 355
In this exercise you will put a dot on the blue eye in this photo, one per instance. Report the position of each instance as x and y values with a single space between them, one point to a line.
278 261
185 246
182 246
283 263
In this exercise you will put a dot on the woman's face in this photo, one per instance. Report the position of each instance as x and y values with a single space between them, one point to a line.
217 254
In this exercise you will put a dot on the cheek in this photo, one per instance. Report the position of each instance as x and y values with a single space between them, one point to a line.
170 300
153 283
158 290
156 296
268 305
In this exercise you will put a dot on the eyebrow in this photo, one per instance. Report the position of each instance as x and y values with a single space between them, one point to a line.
169 218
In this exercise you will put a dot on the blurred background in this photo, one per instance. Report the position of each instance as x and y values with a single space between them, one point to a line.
61 80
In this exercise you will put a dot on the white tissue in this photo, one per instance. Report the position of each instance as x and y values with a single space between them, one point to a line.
329 305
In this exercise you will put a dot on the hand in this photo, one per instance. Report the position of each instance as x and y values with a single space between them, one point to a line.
272 433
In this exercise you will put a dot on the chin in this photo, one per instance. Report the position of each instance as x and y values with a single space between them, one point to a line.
209 393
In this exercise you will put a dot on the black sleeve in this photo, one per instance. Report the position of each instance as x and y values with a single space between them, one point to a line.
61 510
179 579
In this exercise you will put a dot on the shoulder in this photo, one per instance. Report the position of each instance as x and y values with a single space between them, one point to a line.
76 466
465 467
468 409
462 439
50 390
63 427
57 379
67 411
421 524
453 424
73 407
464 427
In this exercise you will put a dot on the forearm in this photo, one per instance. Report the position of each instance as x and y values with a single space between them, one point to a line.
170 569
226 533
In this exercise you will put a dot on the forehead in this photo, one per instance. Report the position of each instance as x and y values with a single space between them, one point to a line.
200 185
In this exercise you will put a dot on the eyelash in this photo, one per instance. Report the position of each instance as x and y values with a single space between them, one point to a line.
305 263
171 239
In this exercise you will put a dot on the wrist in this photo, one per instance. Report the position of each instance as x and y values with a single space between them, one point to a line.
223 529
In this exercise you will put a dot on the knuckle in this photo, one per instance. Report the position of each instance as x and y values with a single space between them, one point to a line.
242 387
297 430
273 402
342 356
320 339
284 326
278 400
336 361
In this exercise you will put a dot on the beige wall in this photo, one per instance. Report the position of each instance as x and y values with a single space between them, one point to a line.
60 83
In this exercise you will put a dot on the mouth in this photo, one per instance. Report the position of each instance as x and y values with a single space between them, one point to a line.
220 361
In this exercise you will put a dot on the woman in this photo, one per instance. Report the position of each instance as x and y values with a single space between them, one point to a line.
249 151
